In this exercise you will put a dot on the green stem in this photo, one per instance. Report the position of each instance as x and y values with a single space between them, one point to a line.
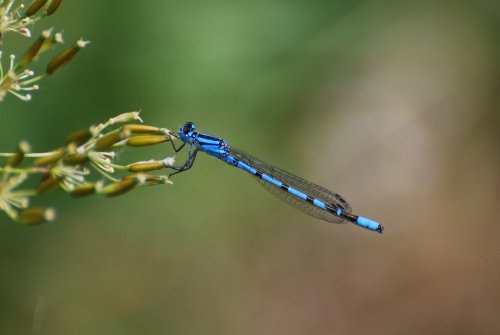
19 171
27 193
34 79
29 155
118 167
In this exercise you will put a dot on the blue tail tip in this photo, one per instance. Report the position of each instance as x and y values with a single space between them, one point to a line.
369 224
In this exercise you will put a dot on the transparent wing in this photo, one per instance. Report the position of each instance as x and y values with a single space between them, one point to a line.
313 190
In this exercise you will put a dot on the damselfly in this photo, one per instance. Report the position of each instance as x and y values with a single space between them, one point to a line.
297 192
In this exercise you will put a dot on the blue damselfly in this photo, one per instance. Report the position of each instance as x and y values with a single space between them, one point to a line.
297 192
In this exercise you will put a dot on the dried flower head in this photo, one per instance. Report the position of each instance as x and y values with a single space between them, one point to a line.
36 215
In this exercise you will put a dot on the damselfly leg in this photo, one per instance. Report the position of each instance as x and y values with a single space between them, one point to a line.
188 163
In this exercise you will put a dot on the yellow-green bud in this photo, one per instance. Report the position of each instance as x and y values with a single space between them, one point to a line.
79 137
83 190
35 7
145 140
146 166
65 57
75 159
109 140
48 183
143 129
51 159
36 215
53 6
120 187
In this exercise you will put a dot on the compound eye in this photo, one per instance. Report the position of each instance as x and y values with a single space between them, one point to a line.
188 127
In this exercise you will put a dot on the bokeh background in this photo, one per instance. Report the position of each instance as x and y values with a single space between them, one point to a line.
393 104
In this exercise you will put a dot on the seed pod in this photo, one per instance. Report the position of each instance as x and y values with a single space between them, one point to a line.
146 166
145 140
47 183
53 6
109 140
32 52
51 159
79 137
18 157
65 57
123 186
83 190
75 159
34 7
36 215
143 129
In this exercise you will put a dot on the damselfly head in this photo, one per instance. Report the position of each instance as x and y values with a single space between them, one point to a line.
186 131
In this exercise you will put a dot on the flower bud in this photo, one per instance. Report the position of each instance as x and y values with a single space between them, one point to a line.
35 6
51 159
146 166
18 157
143 129
36 215
83 190
145 140
47 183
111 139
32 52
75 159
79 137
53 6
65 57
120 187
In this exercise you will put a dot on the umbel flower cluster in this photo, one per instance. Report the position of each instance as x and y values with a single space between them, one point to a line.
73 167
16 77
85 163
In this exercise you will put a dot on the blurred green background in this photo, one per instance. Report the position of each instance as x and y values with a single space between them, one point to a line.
393 104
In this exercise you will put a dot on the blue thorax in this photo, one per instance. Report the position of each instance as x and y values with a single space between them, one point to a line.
212 145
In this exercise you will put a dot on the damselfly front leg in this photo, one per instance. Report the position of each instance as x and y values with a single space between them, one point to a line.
179 148
188 163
